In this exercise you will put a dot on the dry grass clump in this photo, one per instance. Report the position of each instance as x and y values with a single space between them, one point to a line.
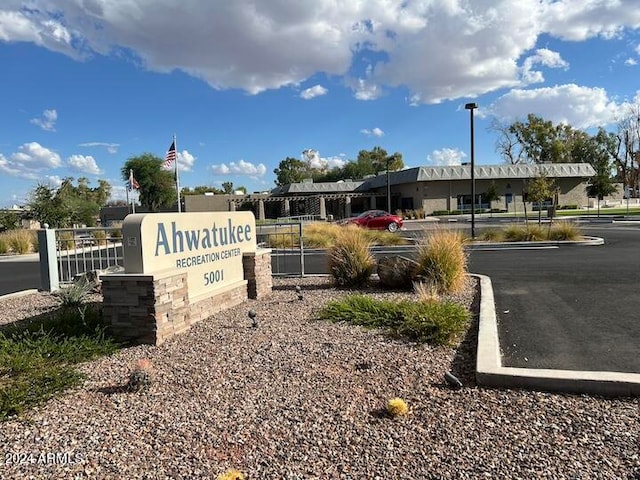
397 407
442 260
564 231
232 474
19 241
350 260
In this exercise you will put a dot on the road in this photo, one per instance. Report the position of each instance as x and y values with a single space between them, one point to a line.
19 273
574 308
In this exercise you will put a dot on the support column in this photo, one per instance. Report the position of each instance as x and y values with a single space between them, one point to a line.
347 207
232 206
49 279
323 209
287 209
372 203
260 209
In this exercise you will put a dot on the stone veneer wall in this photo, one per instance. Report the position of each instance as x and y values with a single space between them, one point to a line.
150 309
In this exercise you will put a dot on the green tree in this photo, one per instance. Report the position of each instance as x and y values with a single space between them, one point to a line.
540 188
227 187
627 155
599 150
375 161
290 170
157 186
199 190
69 204
48 207
9 220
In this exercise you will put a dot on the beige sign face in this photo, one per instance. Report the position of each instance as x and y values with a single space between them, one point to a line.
208 246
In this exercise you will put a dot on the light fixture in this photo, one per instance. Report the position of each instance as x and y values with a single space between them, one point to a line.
471 107
254 318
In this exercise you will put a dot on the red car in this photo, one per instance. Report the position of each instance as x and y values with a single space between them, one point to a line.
376 219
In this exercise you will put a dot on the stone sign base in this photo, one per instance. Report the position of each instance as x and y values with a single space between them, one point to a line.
151 308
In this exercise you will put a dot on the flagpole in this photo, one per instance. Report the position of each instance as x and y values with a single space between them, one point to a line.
177 178
128 187
133 205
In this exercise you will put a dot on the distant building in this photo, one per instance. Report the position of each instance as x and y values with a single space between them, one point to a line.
432 189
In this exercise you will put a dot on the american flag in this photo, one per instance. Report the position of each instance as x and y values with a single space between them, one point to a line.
132 184
171 155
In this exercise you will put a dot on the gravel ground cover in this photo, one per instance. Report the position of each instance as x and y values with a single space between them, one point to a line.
298 398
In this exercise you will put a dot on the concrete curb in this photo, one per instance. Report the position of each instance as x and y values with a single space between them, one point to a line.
586 242
491 373
19 294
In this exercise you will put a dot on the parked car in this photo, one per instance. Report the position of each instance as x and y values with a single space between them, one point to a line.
376 219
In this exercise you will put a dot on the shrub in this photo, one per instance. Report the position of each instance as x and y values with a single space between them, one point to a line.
350 260
4 246
397 407
564 231
37 360
35 244
491 235
426 291
19 241
74 295
100 236
320 235
423 321
383 237
283 237
66 241
443 261
140 378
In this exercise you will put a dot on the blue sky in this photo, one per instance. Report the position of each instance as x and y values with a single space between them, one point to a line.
244 84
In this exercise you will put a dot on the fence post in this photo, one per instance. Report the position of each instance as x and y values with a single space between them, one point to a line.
301 232
49 280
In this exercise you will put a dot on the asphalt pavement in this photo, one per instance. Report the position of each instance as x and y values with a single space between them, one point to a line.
569 308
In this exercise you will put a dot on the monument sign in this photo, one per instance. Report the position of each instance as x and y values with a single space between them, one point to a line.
208 246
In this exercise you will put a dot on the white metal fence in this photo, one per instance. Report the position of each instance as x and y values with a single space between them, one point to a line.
67 253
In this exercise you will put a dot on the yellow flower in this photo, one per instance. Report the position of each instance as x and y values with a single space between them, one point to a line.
396 407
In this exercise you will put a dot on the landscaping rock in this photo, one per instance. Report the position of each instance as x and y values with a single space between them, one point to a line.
396 272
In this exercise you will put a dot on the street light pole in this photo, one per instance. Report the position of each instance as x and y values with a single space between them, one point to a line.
471 107
388 187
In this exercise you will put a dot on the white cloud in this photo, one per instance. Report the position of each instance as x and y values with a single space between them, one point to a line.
84 164
239 168
365 89
376 132
37 25
581 107
631 62
54 180
545 57
111 147
315 91
578 20
29 161
437 49
446 157
47 121
185 161
314 160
